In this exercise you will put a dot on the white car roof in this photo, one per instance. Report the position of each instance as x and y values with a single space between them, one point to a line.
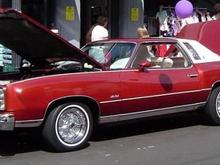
205 54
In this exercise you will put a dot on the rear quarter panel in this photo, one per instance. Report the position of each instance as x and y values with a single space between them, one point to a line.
209 73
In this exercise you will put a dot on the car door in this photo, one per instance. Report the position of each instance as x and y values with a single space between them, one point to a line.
163 86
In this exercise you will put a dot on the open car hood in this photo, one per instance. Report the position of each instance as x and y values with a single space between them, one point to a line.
33 41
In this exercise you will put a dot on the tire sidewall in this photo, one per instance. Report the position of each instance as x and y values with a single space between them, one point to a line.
51 134
211 107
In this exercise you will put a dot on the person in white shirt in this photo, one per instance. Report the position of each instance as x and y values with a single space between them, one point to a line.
99 31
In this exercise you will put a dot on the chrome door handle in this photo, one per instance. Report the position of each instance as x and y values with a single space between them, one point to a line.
192 75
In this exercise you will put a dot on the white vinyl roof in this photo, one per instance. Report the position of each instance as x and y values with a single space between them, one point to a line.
205 54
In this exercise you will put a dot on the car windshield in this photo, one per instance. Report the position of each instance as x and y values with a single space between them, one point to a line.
111 55
98 51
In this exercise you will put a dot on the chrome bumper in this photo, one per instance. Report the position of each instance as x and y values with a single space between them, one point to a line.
7 122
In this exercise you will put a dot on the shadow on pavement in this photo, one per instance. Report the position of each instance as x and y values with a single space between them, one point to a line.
12 143
144 126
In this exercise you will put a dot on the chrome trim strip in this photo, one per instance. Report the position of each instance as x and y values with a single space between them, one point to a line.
122 117
28 123
152 96
150 113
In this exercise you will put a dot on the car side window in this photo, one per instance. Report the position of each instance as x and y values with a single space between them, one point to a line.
177 57
144 52
192 51
160 55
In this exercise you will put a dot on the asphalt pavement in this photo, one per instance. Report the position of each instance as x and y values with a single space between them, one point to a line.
184 139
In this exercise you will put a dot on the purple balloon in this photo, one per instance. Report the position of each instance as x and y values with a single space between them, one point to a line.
184 9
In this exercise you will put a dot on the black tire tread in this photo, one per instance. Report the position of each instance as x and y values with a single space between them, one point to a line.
210 108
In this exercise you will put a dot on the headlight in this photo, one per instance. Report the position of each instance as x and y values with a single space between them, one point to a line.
2 99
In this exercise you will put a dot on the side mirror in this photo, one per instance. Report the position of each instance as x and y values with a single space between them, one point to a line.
144 65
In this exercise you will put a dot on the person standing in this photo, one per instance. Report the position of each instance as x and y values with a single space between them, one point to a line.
89 34
217 10
142 32
99 31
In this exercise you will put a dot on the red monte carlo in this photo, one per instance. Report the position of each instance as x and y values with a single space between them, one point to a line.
68 91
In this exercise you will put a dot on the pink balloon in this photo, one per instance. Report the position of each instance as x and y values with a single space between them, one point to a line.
184 9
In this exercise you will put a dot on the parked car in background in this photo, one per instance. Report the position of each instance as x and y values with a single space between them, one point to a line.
67 91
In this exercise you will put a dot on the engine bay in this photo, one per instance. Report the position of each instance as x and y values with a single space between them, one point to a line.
47 67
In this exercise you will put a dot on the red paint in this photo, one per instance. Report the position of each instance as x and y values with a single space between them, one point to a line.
205 32
115 92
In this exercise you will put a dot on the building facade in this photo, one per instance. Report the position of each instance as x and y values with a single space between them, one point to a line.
73 18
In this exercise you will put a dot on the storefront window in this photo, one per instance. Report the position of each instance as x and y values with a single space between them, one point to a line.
8 60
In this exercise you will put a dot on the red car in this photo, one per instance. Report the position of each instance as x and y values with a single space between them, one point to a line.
67 91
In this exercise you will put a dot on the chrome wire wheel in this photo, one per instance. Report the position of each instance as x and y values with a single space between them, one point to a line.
218 105
72 125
